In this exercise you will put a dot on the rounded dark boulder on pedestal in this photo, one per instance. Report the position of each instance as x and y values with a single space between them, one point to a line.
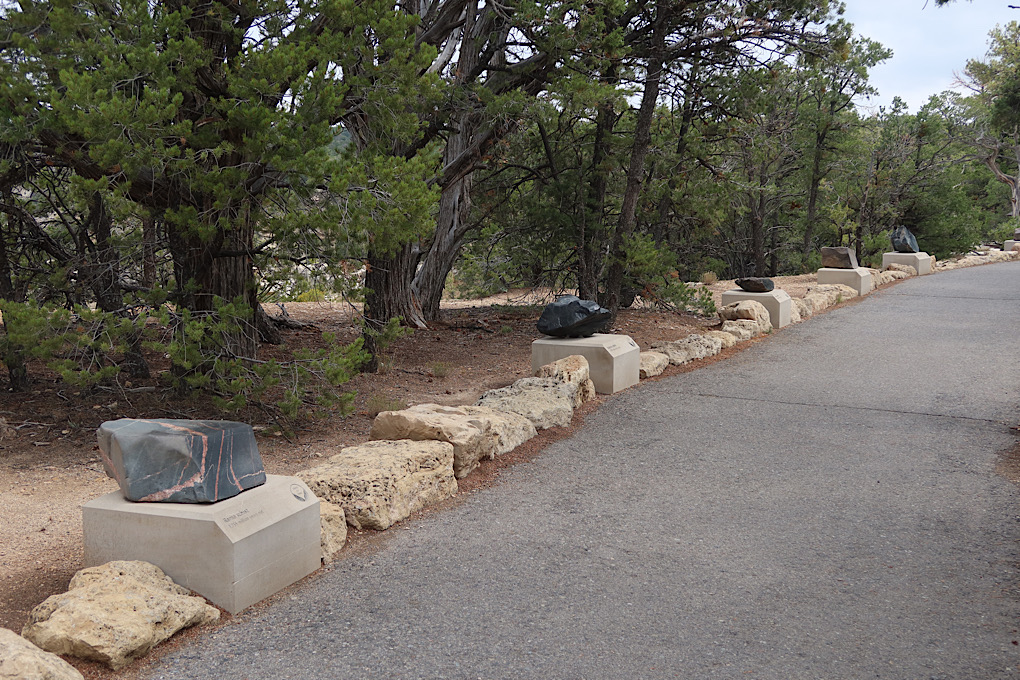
571 317
756 284
903 241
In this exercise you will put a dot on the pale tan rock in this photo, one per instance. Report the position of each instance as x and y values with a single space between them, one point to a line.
21 660
747 309
546 402
574 370
742 329
115 613
895 275
905 268
691 348
826 295
379 483
879 278
476 432
511 429
652 364
803 308
333 525
472 437
794 313
727 339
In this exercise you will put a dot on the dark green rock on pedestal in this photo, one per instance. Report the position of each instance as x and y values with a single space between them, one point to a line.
180 461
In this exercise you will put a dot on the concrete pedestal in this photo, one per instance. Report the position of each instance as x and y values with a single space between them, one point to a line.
919 261
777 301
234 552
613 360
859 279
1009 245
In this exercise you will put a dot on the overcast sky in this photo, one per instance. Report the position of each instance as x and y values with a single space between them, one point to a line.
929 43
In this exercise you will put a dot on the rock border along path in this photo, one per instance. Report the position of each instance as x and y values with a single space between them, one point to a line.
820 505
474 438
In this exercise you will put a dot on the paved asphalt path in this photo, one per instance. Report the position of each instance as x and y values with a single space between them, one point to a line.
822 505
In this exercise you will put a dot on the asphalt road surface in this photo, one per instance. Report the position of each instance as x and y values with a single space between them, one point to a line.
822 505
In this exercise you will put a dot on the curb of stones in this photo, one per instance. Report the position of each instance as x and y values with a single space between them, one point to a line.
711 352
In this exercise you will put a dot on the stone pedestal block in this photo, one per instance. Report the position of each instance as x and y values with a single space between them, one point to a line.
776 301
234 552
859 279
1008 245
919 261
614 361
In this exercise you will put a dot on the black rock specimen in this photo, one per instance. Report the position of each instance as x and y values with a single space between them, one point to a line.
180 461
903 241
839 258
572 317
756 284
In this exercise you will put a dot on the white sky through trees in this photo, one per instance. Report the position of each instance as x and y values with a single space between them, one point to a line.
930 44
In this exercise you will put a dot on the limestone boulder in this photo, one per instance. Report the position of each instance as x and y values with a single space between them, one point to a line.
727 339
574 370
747 310
333 530
476 433
880 278
21 660
823 296
691 348
472 437
379 483
741 329
895 275
803 308
652 364
794 313
115 613
510 429
905 268
546 402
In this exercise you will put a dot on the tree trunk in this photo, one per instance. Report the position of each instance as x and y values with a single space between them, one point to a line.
219 270
635 179
104 279
812 205
452 225
12 357
148 250
388 295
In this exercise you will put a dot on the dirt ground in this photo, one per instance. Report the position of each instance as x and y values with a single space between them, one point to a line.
49 462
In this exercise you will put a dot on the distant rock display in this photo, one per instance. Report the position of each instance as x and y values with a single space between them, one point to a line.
903 241
840 257
180 461
756 284
571 317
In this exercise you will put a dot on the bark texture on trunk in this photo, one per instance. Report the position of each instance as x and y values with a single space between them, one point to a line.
635 177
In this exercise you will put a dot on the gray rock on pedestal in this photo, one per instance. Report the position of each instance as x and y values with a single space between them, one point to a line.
571 317
180 461
839 258
755 284
903 241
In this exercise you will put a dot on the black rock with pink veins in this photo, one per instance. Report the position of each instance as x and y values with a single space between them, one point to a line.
180 461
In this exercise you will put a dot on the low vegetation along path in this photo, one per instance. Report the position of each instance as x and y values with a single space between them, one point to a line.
832 502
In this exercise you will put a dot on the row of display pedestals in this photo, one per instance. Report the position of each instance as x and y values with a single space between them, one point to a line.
238 551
